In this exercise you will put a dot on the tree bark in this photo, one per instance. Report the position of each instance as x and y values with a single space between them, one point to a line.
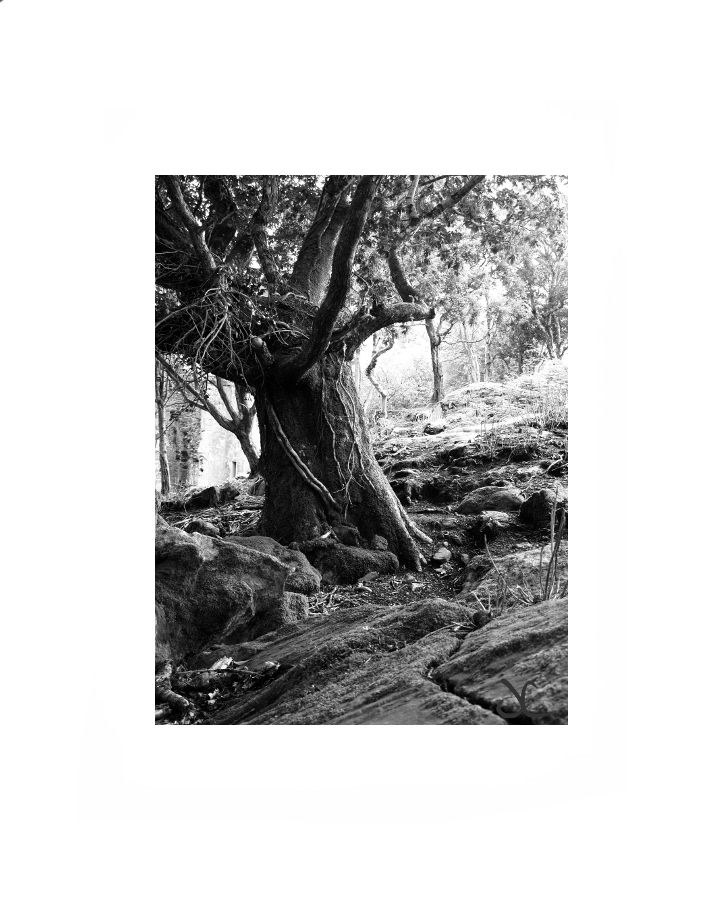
435 341
334 477
249 451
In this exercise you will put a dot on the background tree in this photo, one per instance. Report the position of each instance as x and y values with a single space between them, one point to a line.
162 397
382 342
239 405
535 277
456 248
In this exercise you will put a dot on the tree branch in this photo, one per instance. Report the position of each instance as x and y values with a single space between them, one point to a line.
259 225
185 388
405 290
367 323
344 253
447 202
195 231
387 343
226 400
311 248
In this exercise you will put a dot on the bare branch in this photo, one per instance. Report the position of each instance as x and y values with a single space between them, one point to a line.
195 231
197 399
226 400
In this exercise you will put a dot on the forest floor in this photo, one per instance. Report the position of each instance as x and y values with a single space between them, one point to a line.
508 436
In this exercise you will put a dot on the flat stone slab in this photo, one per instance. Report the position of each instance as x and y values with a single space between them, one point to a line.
526 644
371 665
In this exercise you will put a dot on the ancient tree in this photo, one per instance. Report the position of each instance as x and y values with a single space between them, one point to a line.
256 273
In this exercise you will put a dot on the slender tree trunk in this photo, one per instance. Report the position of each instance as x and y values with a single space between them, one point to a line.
557 336
188 436
472 358
488 338
243 434
437 372
162 453
381 344
161 422
319 465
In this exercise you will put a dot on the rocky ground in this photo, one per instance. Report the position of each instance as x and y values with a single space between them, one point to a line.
250 632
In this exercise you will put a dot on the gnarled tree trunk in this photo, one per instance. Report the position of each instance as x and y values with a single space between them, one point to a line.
292 347
320 422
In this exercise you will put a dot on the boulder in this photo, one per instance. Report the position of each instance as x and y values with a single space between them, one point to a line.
434 427
229 491
209 590
491 498
488 526
526 646
518 575
199 526
303 577
361 666
340 564
494 481
202 499
536 511
442 556
440 489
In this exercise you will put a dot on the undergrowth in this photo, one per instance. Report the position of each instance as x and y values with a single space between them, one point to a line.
500 595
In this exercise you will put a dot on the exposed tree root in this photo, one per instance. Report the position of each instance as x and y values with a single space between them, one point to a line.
297 462
413 529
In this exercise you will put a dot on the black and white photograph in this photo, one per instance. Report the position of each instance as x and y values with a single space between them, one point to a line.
361 449
424 449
